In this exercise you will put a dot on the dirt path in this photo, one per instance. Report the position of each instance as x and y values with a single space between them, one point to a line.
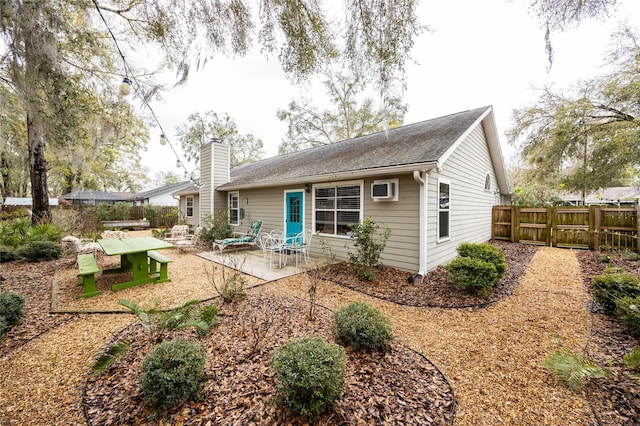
492 356
46 374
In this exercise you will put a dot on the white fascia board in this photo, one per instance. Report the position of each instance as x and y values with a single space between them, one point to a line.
357 174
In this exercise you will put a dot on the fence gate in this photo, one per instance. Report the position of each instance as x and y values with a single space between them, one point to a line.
570 228
592 227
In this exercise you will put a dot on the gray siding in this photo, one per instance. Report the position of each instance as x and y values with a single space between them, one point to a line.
470 214
214 171
205 181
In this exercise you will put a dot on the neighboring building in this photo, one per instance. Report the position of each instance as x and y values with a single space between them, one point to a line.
93 198
24 202
162 196
433 182
623 196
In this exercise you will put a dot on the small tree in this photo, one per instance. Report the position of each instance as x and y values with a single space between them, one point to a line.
369 245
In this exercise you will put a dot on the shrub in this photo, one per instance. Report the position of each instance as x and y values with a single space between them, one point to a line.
369 246
310 373
487 253
628 310
361 326
7 254
173 373
13 233
632 359
11 308
216 227
572 369
473 274
610 287
3 326
39 251
44 232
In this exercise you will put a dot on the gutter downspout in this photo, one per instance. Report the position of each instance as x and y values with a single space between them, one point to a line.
422 178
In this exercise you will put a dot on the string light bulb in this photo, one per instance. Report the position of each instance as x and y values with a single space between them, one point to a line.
186 175
163 139
178 163
125 87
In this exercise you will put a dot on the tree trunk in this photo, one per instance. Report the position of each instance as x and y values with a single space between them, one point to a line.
5 174
38 165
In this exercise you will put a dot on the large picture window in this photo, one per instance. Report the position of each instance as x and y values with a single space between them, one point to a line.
336 207
234 208
190 205
444 209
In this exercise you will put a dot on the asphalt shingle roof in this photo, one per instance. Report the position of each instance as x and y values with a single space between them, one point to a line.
416 143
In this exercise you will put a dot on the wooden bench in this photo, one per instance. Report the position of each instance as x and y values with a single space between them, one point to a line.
126 224
154 259
88 267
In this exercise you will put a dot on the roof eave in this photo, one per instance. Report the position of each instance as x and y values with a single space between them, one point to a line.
329 177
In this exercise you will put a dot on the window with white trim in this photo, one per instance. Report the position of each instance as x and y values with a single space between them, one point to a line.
234 208
189 204
444 209
337 206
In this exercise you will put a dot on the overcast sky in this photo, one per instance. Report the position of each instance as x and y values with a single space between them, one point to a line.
478 53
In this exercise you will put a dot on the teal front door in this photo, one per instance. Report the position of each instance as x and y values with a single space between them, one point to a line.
294 213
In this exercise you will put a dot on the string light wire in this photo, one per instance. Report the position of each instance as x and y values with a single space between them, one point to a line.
130 75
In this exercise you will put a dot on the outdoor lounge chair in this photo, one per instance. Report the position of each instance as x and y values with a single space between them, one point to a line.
178 232
250 238
190 241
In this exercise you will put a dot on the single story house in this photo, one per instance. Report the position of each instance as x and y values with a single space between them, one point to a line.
433 182
25 202
623 196
162 196
93 198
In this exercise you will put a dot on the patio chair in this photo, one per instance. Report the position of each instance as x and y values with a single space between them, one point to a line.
177 233
271 246
189 241
250 238
300 245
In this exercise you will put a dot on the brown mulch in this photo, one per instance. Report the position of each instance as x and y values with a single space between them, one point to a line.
616 399
435 290
58 362
399 387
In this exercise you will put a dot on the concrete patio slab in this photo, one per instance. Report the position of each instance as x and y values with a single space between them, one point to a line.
251 262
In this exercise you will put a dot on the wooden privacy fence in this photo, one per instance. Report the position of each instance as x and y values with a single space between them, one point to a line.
594 227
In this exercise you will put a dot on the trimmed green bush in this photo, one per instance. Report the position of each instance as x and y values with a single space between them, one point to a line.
7 254
487 253
173 373
628 310
362 326
608 288
310 373
40 251
11 308
473 274
3 326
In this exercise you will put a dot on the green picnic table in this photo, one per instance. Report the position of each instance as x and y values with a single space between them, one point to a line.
134 256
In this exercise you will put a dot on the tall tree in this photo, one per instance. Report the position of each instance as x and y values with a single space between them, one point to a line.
199 129
14 157
589 138
352 115
379 35
558 15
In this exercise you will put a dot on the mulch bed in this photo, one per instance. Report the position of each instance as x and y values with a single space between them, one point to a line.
435 290
399 387
616 399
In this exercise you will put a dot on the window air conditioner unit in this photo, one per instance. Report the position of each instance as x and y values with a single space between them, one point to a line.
383 190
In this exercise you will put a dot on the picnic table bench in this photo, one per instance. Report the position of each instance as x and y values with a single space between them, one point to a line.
154 259
88 267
